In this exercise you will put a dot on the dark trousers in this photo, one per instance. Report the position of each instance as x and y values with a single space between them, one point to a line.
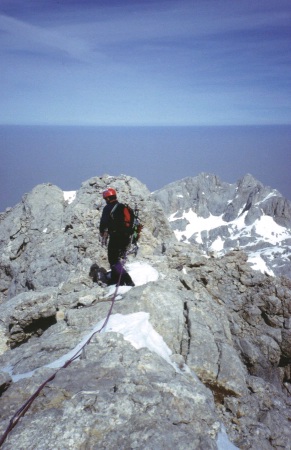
116 250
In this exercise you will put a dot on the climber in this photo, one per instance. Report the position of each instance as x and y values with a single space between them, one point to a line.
119 237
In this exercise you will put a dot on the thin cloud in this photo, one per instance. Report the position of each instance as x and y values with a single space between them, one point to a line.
20 36
147 60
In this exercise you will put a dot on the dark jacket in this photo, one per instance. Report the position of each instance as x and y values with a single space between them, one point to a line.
110 224
106 219
119 238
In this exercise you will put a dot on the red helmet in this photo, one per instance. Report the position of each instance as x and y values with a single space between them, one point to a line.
109 192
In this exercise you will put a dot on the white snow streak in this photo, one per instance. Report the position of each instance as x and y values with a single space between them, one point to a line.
271 194
141 273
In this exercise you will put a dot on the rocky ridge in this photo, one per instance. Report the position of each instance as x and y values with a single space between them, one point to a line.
228 328
219 217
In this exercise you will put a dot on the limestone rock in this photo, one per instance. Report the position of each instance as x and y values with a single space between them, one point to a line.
226 327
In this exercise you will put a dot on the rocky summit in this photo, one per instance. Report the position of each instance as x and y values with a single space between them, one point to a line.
196 356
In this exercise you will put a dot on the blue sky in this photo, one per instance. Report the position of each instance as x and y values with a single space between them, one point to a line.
199 62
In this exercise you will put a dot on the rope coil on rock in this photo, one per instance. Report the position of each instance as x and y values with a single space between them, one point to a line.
22 410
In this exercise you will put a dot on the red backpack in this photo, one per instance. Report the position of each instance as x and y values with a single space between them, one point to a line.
125 220
122 218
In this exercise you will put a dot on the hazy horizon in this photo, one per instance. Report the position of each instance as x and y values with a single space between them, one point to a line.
156 156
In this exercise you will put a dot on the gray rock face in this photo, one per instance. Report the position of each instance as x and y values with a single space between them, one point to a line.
227 329
44 240
119 397
220 217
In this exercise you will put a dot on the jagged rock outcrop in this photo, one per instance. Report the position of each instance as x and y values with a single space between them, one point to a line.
219 217
228 329
44 240
258 314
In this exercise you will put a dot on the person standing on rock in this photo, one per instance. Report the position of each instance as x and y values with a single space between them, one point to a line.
119 238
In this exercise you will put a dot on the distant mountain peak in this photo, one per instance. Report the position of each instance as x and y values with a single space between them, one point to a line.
219 216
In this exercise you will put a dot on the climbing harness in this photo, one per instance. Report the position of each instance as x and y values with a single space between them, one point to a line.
21 411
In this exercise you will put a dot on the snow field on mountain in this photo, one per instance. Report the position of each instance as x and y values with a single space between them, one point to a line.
196 225
264 230
264 227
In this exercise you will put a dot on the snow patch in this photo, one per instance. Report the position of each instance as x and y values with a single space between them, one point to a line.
217 245
223 443
270 230
196 224
69 196
137 329
257 263
140 272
